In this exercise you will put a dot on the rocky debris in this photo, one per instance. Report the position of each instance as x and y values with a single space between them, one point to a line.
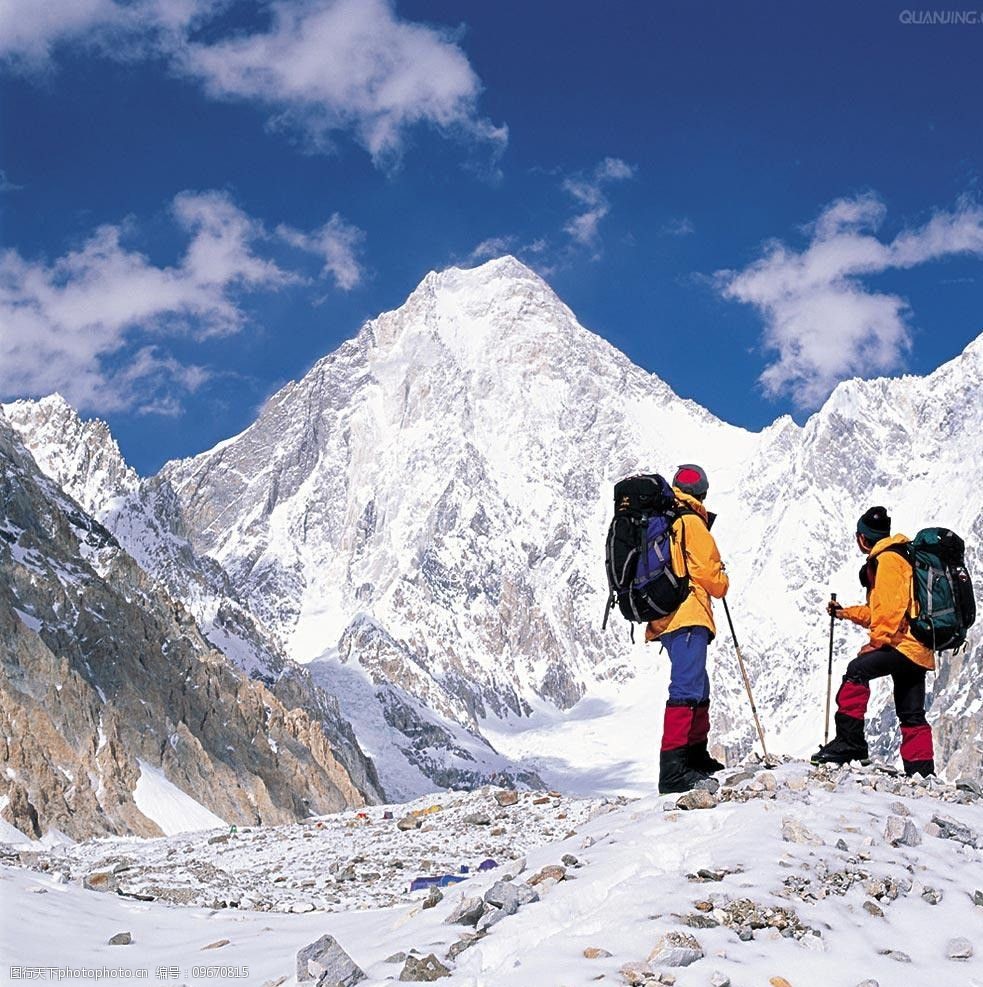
326 963
408 823
901 831
718 979
959 949
395 958
507 797
932 895
467 912
100 881
971 786
218 944
595 953
465 941
895 954
779 982
121 939
978 898
698 798
676 949
795 832
873 909
950 829
569 860
868 983
478 819
551 872
434 897
746 916
636 974
423 969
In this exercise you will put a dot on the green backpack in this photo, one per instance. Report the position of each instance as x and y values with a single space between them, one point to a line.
942 589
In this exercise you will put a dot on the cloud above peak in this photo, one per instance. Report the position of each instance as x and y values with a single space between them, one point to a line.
319 67
94 324
822 322
589 193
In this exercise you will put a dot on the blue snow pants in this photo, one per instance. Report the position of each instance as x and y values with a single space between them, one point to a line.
687 647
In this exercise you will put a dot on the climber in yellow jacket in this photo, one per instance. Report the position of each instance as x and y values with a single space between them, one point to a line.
686 634
892 650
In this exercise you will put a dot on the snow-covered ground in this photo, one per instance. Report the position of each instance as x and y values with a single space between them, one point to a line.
792 874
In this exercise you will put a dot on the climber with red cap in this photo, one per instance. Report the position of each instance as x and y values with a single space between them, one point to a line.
892 650
686 634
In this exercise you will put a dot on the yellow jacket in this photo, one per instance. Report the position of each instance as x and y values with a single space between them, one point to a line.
706 572
889 603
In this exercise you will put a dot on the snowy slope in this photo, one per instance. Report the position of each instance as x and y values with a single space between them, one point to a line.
794 874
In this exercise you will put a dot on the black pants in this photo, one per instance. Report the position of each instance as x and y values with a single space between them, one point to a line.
917 750
909 681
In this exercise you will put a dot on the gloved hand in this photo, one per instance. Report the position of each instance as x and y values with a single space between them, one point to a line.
833 609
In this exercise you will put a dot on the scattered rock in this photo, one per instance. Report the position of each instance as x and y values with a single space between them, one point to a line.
301 907
555 872
779 982
932 895
841 845
326 963
467 940
959 949
395 958
503 895
794 832
478 819
718 979
710 785
221 838
595 953
699 798
434 898
636 973
506 797
569 860
900 809
901 831
868 983
736 779
950 829
424 969
676 949
769 781
218 944
100 880
121 939
701 921
409 822
466 913
968 785
978 898
873 909
894 954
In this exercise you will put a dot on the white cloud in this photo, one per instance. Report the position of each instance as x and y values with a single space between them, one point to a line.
89 325
494 246
337 243
679 227
589 193
331 65
822 322
6 185
31 30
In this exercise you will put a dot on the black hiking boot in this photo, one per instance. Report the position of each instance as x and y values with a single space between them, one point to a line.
923 768
699 759
675 774
849 744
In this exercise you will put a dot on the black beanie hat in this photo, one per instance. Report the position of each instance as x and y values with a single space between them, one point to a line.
874 524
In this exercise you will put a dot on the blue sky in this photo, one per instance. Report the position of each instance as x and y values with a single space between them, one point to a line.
753 200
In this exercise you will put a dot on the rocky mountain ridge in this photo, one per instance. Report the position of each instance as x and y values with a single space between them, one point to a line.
106 685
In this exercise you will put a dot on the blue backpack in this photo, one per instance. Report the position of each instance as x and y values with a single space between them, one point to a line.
638 551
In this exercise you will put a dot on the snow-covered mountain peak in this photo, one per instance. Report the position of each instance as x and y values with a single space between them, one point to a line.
81 456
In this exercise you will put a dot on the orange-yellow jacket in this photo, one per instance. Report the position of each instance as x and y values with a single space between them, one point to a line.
706 572
889 602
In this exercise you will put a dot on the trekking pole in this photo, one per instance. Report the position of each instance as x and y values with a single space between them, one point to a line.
747 685
829 674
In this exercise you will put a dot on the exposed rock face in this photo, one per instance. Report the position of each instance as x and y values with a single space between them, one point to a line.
101 669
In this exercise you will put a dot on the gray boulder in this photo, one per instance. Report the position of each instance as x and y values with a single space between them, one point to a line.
326 963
